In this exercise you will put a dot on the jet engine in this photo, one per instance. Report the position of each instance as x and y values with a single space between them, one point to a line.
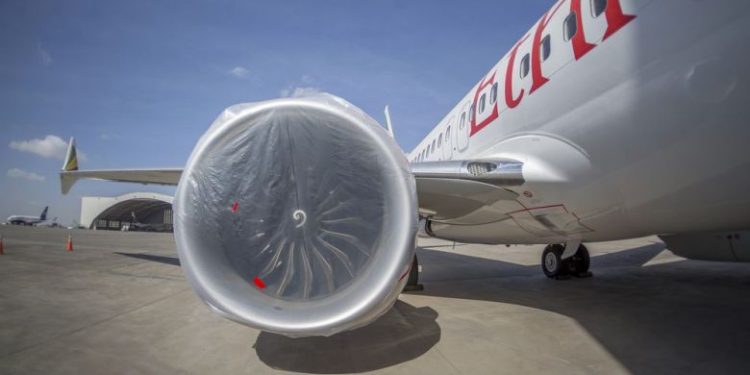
297 216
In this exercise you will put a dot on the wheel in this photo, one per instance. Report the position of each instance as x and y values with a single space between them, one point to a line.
580 261
552 263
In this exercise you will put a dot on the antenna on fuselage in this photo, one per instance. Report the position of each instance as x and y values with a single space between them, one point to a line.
388 125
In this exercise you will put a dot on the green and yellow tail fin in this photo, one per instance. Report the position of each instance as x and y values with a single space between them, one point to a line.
71 159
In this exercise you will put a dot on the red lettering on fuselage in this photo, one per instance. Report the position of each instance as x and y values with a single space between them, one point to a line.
509 100
538 80
580 45
474 126
616 20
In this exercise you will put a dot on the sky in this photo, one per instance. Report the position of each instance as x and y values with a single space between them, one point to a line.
138 82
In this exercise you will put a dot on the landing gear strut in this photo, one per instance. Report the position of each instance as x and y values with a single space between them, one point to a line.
412 283
556 265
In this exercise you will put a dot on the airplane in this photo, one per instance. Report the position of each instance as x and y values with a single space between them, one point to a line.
608 119
137 226
28 220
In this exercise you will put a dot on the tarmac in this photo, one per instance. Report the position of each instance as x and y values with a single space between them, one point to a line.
118 304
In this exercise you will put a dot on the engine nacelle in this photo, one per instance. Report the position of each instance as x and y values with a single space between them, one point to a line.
297 216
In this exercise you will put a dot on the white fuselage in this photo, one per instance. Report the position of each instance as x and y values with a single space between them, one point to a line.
636 125
25 220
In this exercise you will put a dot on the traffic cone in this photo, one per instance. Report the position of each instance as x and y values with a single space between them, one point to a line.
1 244
69 245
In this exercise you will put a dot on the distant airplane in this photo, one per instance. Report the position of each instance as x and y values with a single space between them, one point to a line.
137 226
608 119
28 220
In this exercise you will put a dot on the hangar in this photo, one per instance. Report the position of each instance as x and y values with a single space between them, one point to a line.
152 210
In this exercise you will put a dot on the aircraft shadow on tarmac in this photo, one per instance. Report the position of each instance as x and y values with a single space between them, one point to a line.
402 334
154 258
677 317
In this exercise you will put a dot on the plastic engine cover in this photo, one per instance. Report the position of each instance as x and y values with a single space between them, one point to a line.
297 216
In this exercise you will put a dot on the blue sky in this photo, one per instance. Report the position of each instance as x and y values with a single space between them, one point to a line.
138 82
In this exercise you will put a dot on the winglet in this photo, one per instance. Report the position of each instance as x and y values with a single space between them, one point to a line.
388 125
70 165
71 159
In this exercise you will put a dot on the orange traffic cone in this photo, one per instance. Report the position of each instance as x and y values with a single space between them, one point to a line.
69 245
1 244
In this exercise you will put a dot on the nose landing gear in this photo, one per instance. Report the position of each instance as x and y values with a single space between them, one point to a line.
559 263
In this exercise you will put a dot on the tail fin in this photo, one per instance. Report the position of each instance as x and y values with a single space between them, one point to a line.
71 159
43 216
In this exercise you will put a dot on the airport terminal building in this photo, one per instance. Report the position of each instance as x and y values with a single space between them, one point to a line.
146 211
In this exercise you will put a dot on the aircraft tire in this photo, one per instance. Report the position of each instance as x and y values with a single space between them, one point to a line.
579 263
552 263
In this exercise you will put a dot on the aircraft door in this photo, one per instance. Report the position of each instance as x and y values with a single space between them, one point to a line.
463 129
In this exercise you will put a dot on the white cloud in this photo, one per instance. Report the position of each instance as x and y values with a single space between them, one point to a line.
239 72
50 146
44 55
296 92
20 173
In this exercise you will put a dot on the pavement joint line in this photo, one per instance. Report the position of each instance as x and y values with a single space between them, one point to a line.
94 324
440 353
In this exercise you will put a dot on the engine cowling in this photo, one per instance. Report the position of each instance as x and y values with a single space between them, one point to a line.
297 216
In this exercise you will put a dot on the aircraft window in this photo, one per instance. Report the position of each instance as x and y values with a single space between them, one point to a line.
440 140
447 135
471 113
463 121
546 48
525 66
481 103
493 94
598 7
433 145
570 26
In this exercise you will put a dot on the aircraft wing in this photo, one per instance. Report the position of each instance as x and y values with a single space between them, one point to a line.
70 173
166 176
452 189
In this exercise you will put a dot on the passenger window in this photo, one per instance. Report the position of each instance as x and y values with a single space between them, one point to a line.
570 26
546 48
433 145
493 94
447 135
463 121
598 7
471 113
525 66
481 103
440 140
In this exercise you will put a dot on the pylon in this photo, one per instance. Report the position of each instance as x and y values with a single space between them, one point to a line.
69 245
1 244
